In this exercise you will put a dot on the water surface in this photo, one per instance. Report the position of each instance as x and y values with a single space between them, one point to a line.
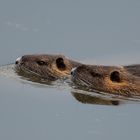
96 32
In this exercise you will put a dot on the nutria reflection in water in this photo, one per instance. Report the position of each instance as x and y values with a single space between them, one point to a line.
95 100
123 81
45 66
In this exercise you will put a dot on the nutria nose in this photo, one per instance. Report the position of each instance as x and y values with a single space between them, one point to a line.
18 60
73 71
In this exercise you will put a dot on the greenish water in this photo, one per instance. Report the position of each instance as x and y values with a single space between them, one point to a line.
95 32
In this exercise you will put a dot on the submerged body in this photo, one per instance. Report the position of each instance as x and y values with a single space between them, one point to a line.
50 67
116 80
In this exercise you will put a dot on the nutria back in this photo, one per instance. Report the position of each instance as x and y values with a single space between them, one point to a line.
133 69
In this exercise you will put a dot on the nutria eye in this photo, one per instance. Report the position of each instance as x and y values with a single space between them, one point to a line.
115 76
41 63
60 63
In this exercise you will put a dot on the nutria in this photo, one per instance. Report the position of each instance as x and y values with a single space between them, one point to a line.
50 67
123 80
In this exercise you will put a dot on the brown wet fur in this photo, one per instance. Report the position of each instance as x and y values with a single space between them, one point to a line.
51 67
123 80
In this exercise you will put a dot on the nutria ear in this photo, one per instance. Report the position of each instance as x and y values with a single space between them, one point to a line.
115 76
60 63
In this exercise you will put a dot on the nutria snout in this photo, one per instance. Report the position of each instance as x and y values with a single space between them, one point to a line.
46 66
18 60
117 80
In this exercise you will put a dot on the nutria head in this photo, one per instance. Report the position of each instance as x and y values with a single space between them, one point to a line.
46 66
109 79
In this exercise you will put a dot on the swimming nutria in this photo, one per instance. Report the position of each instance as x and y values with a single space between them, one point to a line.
50 67
117 80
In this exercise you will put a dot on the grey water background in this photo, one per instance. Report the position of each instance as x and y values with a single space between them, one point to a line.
96 32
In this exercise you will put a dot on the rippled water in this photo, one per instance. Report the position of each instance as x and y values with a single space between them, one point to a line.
95 32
